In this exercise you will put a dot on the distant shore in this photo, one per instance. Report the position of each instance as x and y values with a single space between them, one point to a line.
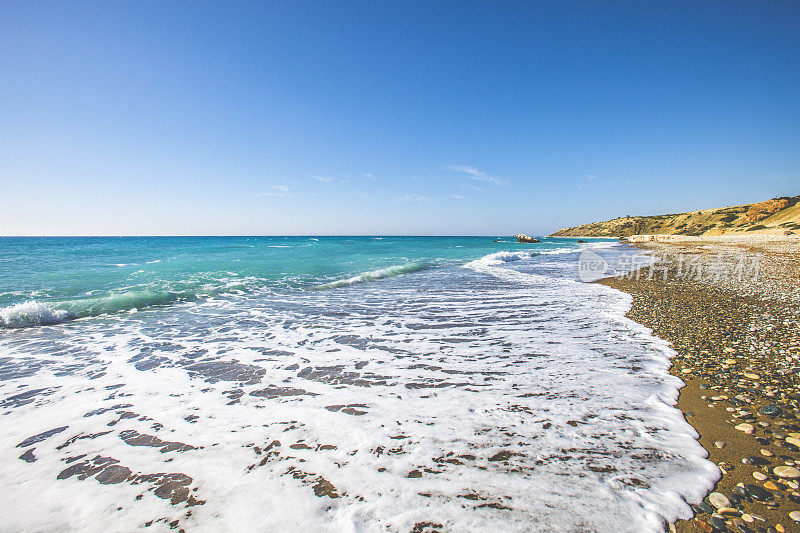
731 307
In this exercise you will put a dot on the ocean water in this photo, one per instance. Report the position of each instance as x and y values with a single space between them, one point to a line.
332 384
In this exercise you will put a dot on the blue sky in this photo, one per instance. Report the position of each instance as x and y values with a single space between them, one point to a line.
122 118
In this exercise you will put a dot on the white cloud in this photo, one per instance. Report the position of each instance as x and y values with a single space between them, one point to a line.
369 176
458 197
322 179
476 174
415 198
590 177
278 191
465 170
473 187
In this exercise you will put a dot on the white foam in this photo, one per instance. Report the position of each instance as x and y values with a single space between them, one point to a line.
443 372
31 313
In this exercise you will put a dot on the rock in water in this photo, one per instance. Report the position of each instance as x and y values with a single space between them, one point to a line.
527 238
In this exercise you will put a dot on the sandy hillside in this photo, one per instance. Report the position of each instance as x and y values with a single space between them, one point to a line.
775 216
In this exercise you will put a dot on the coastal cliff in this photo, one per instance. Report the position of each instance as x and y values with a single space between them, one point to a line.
775 216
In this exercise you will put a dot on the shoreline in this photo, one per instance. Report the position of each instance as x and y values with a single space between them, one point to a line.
738 353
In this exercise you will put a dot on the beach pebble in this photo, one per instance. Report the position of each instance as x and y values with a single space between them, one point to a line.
788 472
759 476
719 444
739 524
752 376
793 440
758 493
795 515
718 522
770 410
748 518
719 500
766 453
769 485
747 428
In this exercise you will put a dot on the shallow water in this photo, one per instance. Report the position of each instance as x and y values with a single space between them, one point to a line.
484 391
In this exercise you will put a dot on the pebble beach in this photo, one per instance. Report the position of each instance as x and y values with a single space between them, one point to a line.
731 311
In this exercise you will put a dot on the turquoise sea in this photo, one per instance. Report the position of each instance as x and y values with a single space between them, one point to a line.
332 384
73 277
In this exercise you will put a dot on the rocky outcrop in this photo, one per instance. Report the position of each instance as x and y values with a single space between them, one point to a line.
760 211
526 238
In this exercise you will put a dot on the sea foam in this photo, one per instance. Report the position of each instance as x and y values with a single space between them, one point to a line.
31 313
491 397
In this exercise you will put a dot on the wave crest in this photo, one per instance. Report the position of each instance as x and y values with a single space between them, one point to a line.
372 275
31 313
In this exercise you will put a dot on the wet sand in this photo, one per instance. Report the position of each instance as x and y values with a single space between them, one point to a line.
731 311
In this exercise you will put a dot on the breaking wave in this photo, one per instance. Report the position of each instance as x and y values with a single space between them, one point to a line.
33 313
381 273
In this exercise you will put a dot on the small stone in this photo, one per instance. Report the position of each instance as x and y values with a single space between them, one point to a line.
795 515
719 444
756 460
779 528
758 493
747 428
719 500
769 485
754 377
793 440
786 472
748 518
718 522
759 476
706 507
771 410
728 511
766 453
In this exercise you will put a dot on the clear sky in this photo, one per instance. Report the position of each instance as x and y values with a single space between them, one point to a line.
390 117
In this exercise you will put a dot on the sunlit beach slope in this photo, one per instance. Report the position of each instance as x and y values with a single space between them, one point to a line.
777 216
